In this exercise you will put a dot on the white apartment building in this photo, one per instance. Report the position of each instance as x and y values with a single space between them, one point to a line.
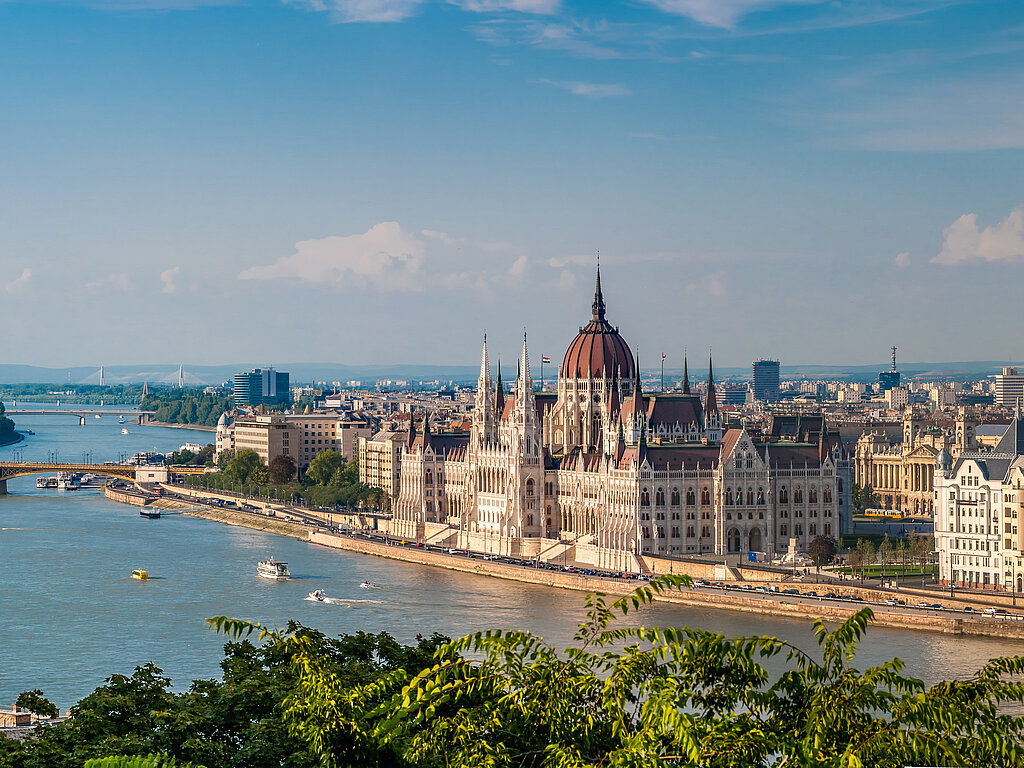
979 515
1009 387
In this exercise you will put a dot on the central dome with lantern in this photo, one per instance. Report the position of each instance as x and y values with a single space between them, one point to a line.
598 351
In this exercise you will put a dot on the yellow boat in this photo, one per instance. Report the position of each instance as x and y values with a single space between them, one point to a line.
138 573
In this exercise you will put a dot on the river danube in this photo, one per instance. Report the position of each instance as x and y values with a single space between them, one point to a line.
72 615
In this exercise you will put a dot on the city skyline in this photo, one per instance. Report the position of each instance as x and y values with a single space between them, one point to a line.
383 181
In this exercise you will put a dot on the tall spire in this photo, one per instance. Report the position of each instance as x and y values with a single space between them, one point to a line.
485 367
426 429
598 306
524 366
499 394
686 376
710 401
412 432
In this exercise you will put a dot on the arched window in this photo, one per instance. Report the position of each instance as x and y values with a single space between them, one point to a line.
728 496
783 530
783 495
812 496
430 477
659 498
705 496
691 497
645 498
750 497
827 494
675 497
529 520
529 487
798 496
760 495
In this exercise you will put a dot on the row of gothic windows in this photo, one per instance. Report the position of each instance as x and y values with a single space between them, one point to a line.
659 497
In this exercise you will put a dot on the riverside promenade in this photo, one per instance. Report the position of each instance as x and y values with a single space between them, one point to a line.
830 602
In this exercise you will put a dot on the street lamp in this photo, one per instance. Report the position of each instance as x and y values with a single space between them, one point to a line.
1013 587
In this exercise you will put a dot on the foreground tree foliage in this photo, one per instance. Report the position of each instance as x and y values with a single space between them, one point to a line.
649 697
236 722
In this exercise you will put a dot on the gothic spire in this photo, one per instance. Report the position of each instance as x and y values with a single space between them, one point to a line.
686 376
499 394
485 368
426 429
412 432
598 306
710 401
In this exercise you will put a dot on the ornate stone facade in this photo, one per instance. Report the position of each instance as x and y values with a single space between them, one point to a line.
600 473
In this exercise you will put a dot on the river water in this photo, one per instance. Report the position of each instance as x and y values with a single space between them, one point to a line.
71 614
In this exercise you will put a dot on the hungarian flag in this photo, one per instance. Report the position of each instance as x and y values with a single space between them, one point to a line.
545 359
663 357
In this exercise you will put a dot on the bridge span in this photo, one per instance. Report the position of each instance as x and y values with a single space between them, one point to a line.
144 416
141 473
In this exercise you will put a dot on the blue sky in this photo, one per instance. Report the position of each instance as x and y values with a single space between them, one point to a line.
367 181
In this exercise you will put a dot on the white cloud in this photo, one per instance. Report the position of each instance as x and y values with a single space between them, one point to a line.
349 11
115 281
388 259
590 90
19 283
169 276
566 280
962 240
383 258
903 259
546 7
721 13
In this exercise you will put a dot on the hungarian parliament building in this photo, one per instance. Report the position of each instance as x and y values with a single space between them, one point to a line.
601 473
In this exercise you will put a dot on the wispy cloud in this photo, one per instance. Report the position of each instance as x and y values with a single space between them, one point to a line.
543 7
20 282
903 259
388 259
356 11
590 90
963 241
722 13
115 281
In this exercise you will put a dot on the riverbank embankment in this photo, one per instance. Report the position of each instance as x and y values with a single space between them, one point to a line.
776 606
197 427
787 606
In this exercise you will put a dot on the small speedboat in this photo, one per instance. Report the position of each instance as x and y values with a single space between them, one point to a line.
124 430
318 595
366 585
41 482
140 574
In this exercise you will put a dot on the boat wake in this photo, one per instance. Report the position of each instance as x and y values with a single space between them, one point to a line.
342 601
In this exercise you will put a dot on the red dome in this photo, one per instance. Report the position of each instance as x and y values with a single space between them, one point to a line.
598 351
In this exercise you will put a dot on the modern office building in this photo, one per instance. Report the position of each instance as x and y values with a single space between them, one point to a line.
261 386
766 380
1009 387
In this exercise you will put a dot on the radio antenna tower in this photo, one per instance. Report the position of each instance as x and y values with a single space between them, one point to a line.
894 357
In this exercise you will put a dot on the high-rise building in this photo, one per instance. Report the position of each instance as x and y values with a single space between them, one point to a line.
261 386
1009 387
889 379
766 380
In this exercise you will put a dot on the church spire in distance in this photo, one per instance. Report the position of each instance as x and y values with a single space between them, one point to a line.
686 376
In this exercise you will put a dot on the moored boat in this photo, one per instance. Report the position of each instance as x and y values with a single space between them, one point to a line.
152 514
41 482
273 569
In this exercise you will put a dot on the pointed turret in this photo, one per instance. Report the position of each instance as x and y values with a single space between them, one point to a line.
613 396
635 405
485 367
426 430
411 438
499 394
686 376
710 401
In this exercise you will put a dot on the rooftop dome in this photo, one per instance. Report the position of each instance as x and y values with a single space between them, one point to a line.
943 461
598 351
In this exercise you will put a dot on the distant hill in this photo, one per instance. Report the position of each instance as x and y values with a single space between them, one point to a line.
368 374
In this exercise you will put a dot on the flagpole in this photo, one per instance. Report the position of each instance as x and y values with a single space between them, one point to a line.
663 373
542 373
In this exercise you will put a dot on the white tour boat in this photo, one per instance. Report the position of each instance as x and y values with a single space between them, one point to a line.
273 569
318 595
